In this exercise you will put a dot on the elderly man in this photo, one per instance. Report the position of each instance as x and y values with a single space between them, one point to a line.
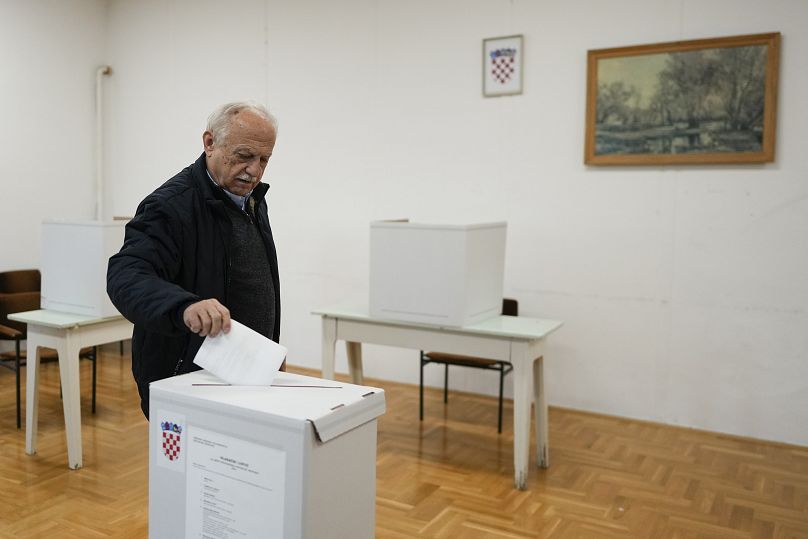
199 250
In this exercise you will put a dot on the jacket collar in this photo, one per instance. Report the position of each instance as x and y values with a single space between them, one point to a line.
199 171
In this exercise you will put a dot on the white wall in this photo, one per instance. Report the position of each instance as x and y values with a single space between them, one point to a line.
49 53
682 288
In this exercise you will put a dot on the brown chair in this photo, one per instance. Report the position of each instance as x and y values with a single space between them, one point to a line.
19 292
510 307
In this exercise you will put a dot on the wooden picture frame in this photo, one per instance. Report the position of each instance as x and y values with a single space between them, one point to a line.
684 102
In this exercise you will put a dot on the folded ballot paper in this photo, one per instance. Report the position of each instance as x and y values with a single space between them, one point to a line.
241 356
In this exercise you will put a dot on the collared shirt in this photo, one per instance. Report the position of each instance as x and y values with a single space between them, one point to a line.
238 200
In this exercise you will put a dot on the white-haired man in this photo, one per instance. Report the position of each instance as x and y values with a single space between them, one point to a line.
199 250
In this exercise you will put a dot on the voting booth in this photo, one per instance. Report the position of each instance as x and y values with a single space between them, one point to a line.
74 265
450 275
296 459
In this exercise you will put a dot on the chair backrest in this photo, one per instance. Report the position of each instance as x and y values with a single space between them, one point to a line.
17 303
510 307
19 291
27 280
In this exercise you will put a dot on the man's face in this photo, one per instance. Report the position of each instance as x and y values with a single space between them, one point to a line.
238 162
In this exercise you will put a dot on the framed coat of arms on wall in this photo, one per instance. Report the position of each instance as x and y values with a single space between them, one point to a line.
502 66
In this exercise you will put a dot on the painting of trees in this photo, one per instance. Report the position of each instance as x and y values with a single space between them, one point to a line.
705 101
741 81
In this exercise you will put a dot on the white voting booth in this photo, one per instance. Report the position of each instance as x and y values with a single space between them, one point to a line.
296 459
74 265
449 275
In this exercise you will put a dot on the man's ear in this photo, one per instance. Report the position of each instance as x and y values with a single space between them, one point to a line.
207 142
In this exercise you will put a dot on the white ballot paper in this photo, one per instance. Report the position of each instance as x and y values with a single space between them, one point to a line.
241 356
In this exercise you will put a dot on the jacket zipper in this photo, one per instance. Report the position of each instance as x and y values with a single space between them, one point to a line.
180 361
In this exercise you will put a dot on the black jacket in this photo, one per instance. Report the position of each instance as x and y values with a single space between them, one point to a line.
176 253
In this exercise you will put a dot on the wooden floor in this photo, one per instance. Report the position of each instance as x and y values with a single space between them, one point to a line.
450 476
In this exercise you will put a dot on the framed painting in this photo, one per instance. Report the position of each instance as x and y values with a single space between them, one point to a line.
685 102
502 66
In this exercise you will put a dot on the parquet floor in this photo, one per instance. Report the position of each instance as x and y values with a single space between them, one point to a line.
450 476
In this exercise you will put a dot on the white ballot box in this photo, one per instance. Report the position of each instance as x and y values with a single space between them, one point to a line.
74 265
448 275
296 459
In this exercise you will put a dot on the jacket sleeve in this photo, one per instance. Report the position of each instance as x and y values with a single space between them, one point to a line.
141 278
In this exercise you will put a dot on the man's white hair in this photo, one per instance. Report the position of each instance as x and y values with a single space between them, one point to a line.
220 120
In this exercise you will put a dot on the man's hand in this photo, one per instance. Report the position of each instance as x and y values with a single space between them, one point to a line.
207 317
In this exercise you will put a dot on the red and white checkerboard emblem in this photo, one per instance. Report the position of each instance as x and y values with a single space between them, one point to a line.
171 439
503 64
171 445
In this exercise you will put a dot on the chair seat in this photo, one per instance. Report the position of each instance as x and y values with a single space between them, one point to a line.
510 307
455 359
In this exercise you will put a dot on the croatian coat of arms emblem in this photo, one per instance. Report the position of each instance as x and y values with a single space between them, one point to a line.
171 439
503 64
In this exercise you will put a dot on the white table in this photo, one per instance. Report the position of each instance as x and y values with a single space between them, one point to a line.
68 334
518 340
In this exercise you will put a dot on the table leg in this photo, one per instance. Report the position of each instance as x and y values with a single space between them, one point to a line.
71 397
522 397
354 350
542 423
31 393
329 342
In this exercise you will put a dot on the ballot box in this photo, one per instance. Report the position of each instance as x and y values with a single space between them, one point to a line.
74 265
296 459
449 275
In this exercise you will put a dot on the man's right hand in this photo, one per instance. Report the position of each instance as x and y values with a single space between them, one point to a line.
207 317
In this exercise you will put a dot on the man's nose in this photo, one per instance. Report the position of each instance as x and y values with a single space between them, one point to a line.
254 167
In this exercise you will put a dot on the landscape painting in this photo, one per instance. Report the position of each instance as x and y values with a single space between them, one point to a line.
688 102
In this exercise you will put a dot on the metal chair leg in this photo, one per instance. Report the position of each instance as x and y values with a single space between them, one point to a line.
445 383
95 362
17 369
421 389
503 368
501 384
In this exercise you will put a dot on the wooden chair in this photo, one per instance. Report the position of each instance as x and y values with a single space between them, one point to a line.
510 307
19 292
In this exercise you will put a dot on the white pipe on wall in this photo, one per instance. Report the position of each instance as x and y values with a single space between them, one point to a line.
99 141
